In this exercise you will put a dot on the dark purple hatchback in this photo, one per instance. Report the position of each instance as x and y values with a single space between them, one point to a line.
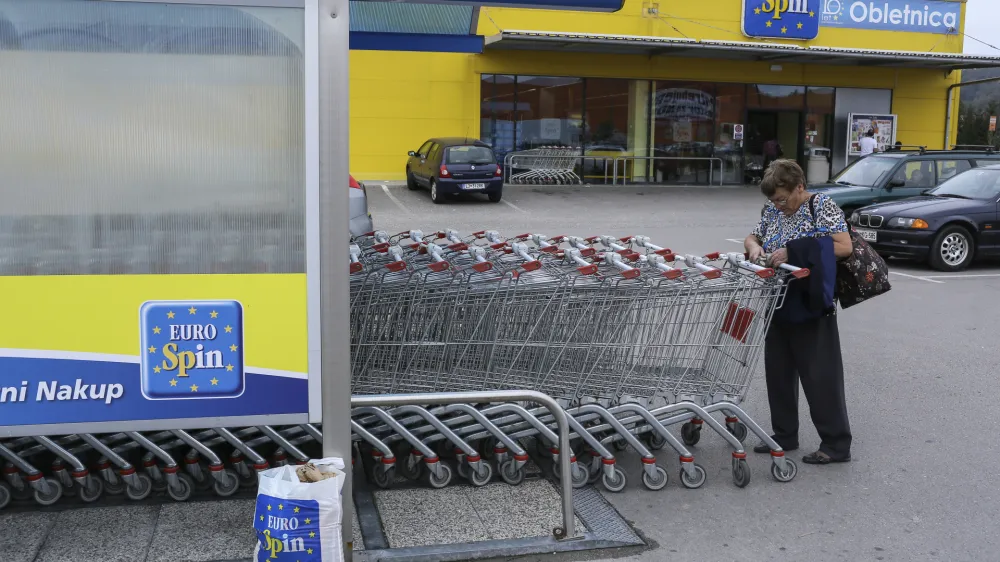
448 166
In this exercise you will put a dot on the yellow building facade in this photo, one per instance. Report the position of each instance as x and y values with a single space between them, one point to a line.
600 82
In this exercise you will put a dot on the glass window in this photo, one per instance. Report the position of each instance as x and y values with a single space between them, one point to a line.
424 150
609 125
916 173
981 163
435 154
765 96
469 155
147 133
504 103
683 128
730 110
977 184
486 109
866 172
947 169
549 111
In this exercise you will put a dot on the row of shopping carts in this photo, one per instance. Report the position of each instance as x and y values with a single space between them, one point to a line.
632 339
545 165
629 336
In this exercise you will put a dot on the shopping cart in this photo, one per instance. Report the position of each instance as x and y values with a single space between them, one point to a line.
547 165
629 336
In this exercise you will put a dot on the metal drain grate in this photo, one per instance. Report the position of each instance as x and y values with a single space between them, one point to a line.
601 518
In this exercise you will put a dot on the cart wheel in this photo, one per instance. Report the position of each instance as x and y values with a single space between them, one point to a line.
92 492
441 482
160 484
619 445
408 470
185 487
384 478
55 492
617 482
228 485
542 449
511 474
656 441
741 473
739 431
204 480
5 495
482 476
788 475
463 470
595 473
698 480
23 493
115 488
657 482
142 491
691 434
581 474
249 481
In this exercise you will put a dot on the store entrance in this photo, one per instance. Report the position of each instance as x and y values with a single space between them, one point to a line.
763 126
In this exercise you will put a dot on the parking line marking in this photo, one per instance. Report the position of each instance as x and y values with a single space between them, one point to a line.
963 276
392 198
927 279
513 206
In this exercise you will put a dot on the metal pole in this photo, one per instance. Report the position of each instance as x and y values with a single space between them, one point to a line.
334 56
566 482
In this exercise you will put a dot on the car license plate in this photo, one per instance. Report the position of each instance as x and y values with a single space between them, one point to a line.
867 235
473 186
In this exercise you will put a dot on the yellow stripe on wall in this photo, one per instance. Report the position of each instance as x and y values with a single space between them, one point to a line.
100 313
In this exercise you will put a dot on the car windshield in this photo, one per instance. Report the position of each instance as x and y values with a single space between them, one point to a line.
866 172
469 155
975 184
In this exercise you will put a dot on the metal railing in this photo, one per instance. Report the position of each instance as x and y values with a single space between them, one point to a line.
567 531
529 161
625 159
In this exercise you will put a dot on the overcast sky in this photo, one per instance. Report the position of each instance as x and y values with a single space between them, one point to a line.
981 18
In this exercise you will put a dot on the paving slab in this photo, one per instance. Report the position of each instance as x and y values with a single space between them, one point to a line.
531 509
110 534
204 532
22 534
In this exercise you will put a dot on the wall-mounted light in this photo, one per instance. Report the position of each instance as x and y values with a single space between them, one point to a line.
775 68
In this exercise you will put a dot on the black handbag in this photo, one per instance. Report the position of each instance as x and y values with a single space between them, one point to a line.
862 275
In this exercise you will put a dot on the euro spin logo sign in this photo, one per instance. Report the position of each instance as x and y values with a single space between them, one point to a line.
781 19
287 530
191 349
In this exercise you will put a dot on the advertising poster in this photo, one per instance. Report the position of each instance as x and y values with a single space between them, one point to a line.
113 348
859 124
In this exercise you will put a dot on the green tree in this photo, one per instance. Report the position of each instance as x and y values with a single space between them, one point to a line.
974 123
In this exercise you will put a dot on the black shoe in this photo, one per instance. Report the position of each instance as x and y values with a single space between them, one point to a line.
819 457
764 449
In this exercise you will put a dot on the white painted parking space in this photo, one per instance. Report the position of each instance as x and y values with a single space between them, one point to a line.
393 198
513 206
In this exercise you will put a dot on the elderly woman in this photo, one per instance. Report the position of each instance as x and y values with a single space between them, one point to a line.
806 351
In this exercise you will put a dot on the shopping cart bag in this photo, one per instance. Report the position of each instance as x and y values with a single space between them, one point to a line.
299 521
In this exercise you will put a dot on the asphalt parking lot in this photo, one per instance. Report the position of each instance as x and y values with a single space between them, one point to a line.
921 367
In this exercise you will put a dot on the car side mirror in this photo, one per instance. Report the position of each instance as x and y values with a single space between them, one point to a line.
411 153
895 183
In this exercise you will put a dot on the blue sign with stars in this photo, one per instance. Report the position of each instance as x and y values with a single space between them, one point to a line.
287 530
781 19
191 349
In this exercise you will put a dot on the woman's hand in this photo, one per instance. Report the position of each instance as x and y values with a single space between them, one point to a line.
753 248
779 257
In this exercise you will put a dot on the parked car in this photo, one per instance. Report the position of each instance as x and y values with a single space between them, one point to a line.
361 219
948 226
449 166
889 176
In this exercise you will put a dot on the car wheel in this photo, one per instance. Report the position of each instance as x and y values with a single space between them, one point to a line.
411 182
495 197
435 196
953 249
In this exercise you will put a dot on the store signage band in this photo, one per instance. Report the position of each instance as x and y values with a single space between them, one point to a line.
781 19
929 16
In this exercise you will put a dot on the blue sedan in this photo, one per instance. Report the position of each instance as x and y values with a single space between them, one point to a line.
948 226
